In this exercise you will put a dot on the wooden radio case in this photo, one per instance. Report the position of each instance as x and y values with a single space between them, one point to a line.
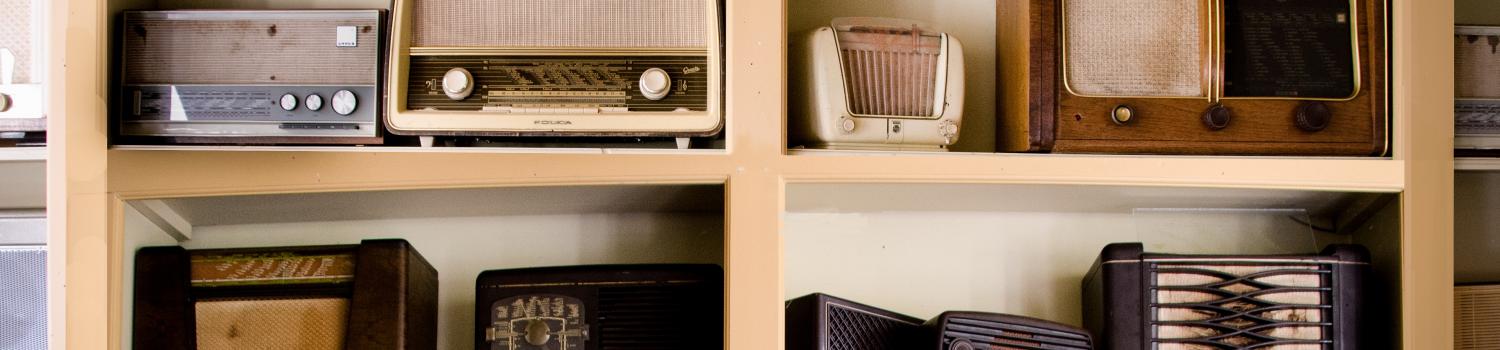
1221 77
378 295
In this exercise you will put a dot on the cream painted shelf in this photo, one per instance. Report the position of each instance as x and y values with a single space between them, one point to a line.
23 178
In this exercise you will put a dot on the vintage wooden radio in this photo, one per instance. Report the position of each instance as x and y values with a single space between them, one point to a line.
604 307
1476 86
1135 300
23 69
1231 77
378 295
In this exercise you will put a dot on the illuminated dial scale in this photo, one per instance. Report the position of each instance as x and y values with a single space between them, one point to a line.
558 85
537 322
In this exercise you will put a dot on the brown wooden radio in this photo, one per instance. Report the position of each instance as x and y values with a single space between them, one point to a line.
1229 77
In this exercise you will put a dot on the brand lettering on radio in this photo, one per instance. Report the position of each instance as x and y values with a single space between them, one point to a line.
552 122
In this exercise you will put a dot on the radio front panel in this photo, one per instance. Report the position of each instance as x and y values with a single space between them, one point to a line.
22 67
557 68
251 76
1476 63
560 84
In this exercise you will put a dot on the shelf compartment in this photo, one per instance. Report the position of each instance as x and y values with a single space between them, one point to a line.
461 232
23 173
921 249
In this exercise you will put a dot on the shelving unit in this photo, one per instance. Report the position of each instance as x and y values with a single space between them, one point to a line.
773 211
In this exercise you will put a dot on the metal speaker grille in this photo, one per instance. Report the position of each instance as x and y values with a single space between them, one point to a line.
1476 63
850 329
1230 307
561 23
963 333
16 36
891 74
1134 47
249 47
291 324
1478 317
23 298
671 317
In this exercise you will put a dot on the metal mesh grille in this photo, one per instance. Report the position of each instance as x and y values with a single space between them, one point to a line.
1215 307
266 48
849 329
272 324
890 73
23 298
1134 47
561 23
16 36
1476 63
1478 317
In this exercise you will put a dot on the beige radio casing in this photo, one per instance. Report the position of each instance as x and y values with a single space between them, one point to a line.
401 120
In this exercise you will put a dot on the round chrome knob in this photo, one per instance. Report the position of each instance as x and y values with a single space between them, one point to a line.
458 83
314 102
4 102
344 102
655 84
288 102
846 125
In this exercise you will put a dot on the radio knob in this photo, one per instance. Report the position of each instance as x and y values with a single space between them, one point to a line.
458 84
288 102
344 102
1313 116
655 84
1122 114
4 102
1216 117
314 102
961 344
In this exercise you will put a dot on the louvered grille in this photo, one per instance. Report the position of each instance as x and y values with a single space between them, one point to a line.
890 72
973 334
1198 306
23 298
850 329
667 317
1478 317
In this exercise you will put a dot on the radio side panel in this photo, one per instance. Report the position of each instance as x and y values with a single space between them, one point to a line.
1027 73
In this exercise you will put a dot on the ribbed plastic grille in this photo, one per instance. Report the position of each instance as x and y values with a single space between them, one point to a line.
890 73
850 329
23 298
1265 307
670 317
1478 317
962 333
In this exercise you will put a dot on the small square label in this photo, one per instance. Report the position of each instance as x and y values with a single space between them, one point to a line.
348 37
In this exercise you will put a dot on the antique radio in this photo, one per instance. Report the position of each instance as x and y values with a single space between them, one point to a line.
1135 300
23 281
1233 77
824 322
23 68
1476 63
876 83
958 330
1477 314
658 307
380 294
249 76
556 68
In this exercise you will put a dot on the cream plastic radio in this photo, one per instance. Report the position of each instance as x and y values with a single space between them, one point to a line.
556 68
22 71
876 83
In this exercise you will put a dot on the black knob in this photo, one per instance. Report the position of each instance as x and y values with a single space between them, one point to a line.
1313 116
1216 117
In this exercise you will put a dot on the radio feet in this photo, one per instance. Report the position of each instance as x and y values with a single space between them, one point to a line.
425 140
683 142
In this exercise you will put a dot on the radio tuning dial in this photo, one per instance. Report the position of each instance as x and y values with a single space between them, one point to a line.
4 102
458 84
655 84
344 102
314 102
288 102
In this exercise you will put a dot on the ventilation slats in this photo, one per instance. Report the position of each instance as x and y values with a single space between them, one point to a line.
999 335
890 72
1241 306
1478 317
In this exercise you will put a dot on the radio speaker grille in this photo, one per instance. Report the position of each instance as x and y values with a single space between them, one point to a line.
561 23
1210 306
23 298
849 329
1134 47
16 36
266 48
659 318
1475 64
302 324
890 74
967 333
1478 316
